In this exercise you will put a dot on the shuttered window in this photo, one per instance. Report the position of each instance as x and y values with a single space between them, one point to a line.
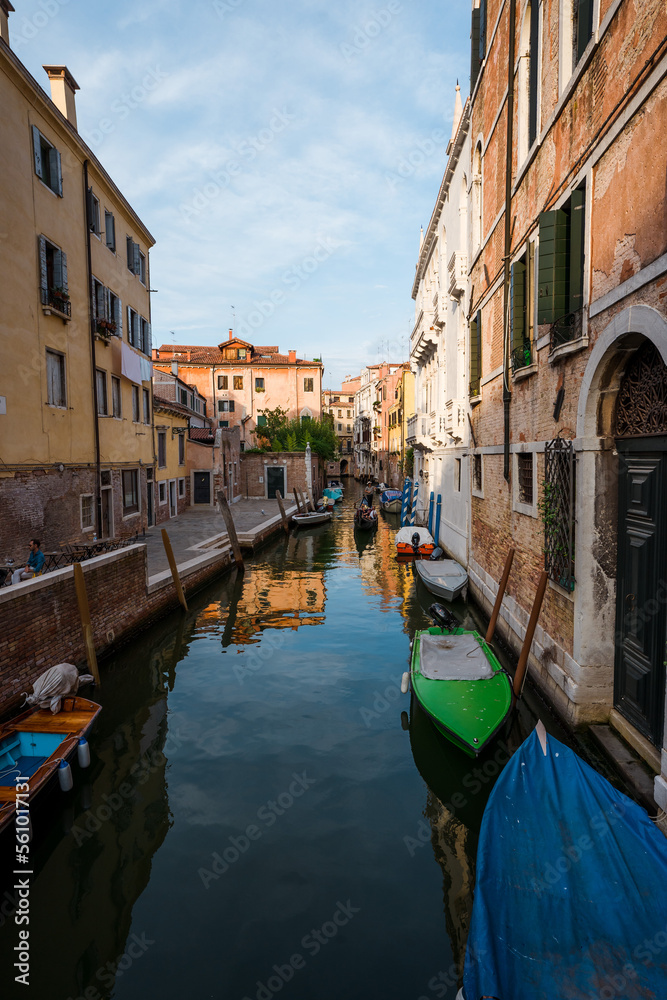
144 335
47 163
135 404
561 265
238 381
162 449
583 26
101 387
308 385
116 396
223 381
134 256
476 354
181 449
474 49
576 276
55 379
482 31
533 79
110 231
147 406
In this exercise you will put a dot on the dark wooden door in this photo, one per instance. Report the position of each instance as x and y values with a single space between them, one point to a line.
107 518
202 487
641 610
149 502
275 480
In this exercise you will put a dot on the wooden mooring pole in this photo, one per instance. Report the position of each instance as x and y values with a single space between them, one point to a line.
174 569
499 596
522 665
223 507
282 512
298 502
84 613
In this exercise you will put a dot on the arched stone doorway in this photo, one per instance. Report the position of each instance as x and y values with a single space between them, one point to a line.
640 430
599 679
343 466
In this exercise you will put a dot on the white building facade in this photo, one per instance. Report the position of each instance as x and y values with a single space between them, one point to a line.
439 430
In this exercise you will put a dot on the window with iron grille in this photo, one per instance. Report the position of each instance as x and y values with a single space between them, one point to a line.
557 508
477 473
525 477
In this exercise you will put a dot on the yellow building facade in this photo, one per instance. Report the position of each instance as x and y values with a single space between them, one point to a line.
76 410
402 408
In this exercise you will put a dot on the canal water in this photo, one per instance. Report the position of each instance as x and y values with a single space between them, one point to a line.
265 814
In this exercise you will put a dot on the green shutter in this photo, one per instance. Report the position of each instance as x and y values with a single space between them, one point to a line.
577 224
553 269
474 49
37 151
518 303
584 26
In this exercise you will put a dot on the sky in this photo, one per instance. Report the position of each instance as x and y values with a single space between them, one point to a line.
283 155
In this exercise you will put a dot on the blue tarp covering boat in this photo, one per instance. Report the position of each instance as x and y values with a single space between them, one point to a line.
571 894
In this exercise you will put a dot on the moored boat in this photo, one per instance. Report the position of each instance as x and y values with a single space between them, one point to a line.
567 897
413 542
391 501
334 494
310 519
33 744
443 577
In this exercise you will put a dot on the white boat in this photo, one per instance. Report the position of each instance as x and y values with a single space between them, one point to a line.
443 577
310 520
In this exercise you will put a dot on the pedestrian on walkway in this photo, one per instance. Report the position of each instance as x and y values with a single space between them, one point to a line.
34 565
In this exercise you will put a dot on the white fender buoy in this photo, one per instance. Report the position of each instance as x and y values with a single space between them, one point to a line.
83 752
65 776
405 683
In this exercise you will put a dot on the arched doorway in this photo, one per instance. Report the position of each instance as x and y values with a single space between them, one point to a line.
343 466
640 430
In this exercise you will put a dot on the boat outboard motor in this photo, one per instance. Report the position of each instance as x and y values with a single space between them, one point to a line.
415 542
442 617
436 554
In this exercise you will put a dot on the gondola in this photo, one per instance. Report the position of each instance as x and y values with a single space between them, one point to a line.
365 517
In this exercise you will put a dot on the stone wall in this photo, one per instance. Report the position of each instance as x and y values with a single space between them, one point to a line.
253 472
39 619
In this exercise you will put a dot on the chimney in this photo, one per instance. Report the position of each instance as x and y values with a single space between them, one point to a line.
63 86
5 9
174 368
292 357
231 334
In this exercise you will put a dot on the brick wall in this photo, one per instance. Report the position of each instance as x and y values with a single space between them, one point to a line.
40 624
253 468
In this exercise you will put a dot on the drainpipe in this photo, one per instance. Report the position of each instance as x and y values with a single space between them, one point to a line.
91 314
507 395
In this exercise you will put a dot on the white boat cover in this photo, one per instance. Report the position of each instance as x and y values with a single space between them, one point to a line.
404 535
453 658
56 683
446 573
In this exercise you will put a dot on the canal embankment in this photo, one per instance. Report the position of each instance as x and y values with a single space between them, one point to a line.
127 589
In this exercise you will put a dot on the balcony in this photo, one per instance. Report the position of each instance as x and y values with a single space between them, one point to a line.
57 302
454 423
419 426
457 271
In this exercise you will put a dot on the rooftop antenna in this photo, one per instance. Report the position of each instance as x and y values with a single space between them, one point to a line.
233 318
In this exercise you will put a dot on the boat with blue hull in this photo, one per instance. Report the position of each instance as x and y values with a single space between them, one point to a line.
569 899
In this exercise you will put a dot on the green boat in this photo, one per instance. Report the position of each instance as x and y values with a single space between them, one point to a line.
457 679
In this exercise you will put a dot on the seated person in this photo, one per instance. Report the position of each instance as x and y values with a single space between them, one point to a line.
34 565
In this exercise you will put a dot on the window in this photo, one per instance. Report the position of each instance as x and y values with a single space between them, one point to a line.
522 309
132 327
457 475
133 256
144 335
241 353
142 267
99 302
225 406
259 385
55 379
582 27
116 396
477 199
238 381
135 403
162 449
53 277
110 230
93 209
114 314
340 427
561 268
181 487
223 382
476 354
181 449
529 77
340 413
525 477
261 420
147 406
477 474
101 387
349 413
130 481
308 385
183 396
47 162
162 493
87 512
557 507
223 423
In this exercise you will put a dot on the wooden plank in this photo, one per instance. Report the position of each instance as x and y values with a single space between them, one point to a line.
84 614
44 722
298 502
223 507
174 569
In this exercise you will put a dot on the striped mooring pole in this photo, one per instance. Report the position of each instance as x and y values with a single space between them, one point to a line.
407 499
